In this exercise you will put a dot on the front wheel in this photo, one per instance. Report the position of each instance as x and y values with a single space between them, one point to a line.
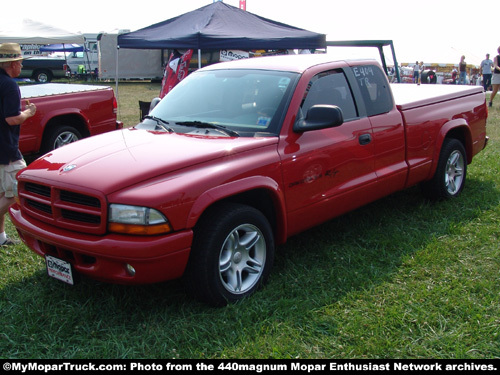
451 172
231 256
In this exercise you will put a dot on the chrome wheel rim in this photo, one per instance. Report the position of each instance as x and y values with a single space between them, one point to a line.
64 139
242 259
454 173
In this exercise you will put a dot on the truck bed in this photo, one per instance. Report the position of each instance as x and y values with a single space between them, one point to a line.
48 89
409 96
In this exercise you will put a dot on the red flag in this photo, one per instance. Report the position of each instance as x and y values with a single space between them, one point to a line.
175 70
243 4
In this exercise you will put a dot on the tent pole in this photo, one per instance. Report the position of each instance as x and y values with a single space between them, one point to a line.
396 67
116 71
85 51
66 61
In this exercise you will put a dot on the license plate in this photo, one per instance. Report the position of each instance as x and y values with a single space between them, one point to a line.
59 269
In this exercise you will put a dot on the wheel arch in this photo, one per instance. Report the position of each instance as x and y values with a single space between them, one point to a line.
36 73
259 192
76 120
456 129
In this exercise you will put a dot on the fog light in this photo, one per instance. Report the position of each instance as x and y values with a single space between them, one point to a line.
130 269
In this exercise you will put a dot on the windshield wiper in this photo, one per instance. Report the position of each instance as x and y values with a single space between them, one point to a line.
160 122
200 124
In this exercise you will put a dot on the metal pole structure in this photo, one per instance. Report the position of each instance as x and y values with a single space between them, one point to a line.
116 71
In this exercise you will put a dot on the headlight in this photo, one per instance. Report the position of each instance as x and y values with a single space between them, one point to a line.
137 220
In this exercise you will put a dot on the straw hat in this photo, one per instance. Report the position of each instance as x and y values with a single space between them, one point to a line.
10 52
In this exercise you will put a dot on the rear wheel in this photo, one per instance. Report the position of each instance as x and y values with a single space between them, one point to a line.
42 76
451 172
231 256
60 136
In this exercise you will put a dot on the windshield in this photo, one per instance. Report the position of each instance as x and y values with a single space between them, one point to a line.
225 102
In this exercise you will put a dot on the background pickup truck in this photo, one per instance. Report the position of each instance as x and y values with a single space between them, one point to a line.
237 158
65 114
44 69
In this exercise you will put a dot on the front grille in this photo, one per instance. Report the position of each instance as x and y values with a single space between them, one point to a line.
39 206
68 196
81 217
64 208
37 189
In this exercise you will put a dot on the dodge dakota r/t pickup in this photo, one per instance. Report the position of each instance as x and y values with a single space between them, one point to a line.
237 158
66 113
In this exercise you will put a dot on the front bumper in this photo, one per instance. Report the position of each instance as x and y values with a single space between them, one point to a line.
105 258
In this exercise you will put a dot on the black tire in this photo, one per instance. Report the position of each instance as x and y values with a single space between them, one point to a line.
451 172
232 254
60 136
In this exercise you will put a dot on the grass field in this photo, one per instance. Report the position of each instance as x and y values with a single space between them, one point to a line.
399 278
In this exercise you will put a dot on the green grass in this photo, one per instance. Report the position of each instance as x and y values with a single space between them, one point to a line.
399 278
129 94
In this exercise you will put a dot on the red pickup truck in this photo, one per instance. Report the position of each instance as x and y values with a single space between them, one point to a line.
66 113
237 158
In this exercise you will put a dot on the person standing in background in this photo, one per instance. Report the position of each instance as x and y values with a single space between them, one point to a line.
462 68
416 73
495 80
486 66
11 118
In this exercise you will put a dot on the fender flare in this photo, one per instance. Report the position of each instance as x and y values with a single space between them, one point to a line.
233 188
47 117
460 125
64 112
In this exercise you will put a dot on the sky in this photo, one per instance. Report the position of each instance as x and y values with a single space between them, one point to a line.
438 32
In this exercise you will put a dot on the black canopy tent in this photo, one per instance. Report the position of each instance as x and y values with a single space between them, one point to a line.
221 26
380 44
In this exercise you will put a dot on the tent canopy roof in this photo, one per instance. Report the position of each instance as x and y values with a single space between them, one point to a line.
220 26
32 32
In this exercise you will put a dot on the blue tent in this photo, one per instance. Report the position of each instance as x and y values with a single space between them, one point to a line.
221 26
62 48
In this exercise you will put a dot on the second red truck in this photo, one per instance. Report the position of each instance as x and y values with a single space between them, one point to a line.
65 114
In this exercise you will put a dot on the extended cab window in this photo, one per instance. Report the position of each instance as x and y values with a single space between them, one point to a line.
374 88
330 88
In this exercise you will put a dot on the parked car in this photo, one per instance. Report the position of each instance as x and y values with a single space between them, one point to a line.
44 69
237 158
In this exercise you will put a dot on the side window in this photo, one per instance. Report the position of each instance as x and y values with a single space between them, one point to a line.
374 88
330 88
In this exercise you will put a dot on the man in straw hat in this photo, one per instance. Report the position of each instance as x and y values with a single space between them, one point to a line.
11 118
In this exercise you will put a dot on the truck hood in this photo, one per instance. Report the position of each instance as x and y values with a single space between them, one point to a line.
118 159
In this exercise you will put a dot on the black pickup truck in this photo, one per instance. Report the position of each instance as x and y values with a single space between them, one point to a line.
44 69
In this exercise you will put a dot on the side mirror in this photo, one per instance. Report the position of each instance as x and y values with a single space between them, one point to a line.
154 103
320 117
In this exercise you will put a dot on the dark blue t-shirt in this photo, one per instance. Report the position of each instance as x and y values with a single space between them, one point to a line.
10 105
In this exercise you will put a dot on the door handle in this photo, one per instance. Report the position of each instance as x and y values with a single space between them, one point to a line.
364 139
